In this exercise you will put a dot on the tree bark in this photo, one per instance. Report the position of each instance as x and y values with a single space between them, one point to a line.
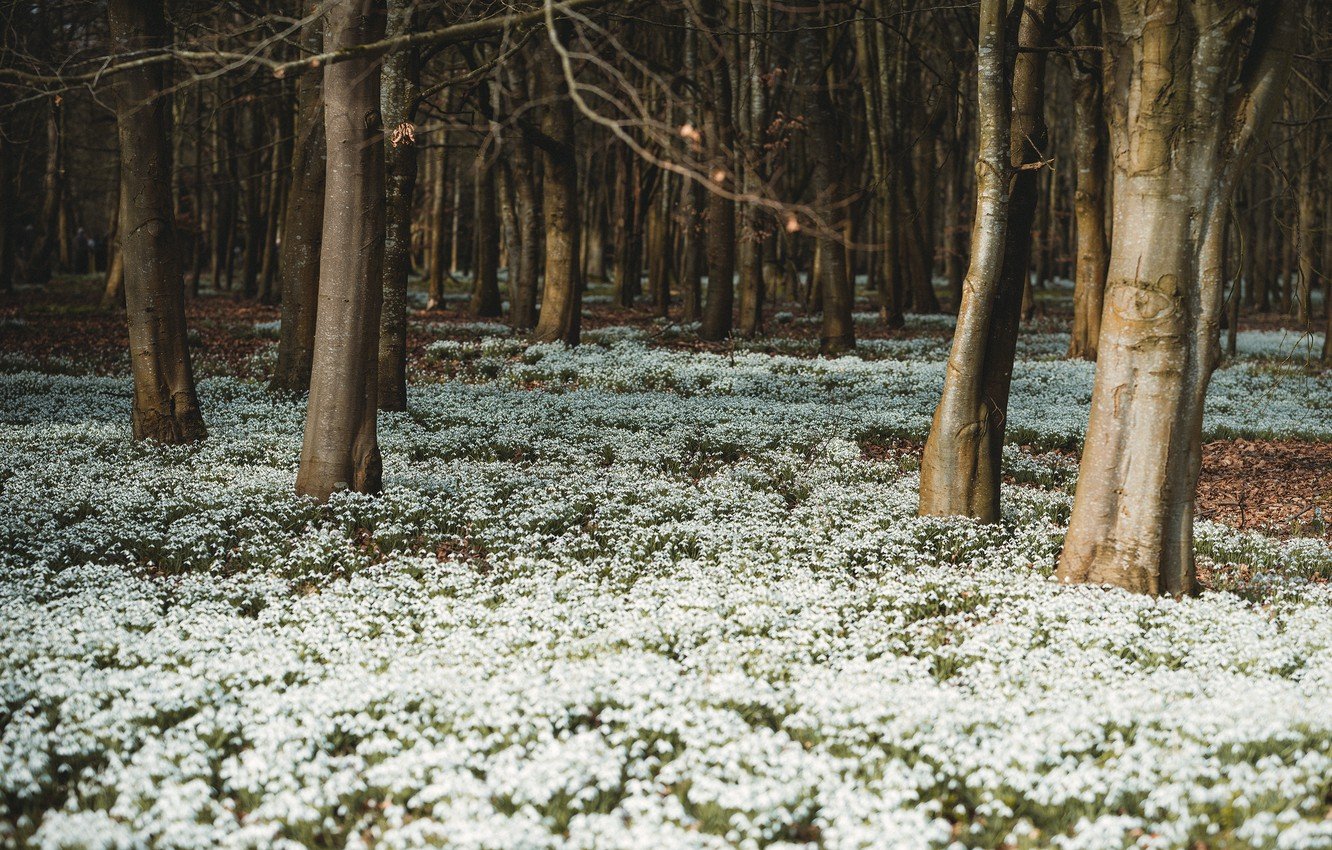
39 266
302 233
960 471
1089 144
839 331
400 80
341 450
562 293
166 407
718 132
522 306
485 303
1187 94
438 203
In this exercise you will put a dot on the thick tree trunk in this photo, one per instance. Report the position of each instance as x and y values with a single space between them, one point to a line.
302 232
960 471
1188 94
341 450
399 89
39 266
1089 144
752 115
166 407
562 293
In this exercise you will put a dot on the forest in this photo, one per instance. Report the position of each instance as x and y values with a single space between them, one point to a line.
679 424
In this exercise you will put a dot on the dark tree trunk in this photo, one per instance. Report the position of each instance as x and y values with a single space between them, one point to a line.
522 307
255 225
400 85
562 294
839 331
485 303
439 259
302 232
166 407
719 228
39 266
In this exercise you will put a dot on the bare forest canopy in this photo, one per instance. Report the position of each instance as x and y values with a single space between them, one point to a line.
710 161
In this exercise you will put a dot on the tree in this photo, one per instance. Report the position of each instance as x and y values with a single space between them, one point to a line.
340 450
1188 94
400 83
1089 145
960 471
166 407
562 293
839 331
302 229
718 134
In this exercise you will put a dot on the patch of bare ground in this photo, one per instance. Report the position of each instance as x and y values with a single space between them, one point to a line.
1281 488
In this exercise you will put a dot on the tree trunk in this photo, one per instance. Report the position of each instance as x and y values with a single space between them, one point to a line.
8 181
485 303
1187 94
438 203
113 286
166 407
562 293
718 307
341 450
752 120
400 84
253 181
1306 240
302 233
278 181
1089 145
839 331
659 251
960 471
522 307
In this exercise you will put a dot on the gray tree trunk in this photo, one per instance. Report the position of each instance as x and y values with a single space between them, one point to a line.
341 450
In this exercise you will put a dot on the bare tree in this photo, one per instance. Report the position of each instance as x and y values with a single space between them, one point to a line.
341 450
1188 94
166 407
298 258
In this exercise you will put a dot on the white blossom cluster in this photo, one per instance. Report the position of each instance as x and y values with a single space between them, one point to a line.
892 391
627 598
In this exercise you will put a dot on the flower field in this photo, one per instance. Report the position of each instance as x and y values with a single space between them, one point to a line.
628 596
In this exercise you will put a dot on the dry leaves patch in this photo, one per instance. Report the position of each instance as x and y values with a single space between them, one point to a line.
1281 487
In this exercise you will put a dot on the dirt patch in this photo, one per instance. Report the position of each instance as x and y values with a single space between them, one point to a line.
1281 487
1278 487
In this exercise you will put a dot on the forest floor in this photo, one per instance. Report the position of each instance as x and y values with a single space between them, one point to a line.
641 593
1277 486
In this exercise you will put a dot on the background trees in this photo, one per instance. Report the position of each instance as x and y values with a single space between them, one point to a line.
710 161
